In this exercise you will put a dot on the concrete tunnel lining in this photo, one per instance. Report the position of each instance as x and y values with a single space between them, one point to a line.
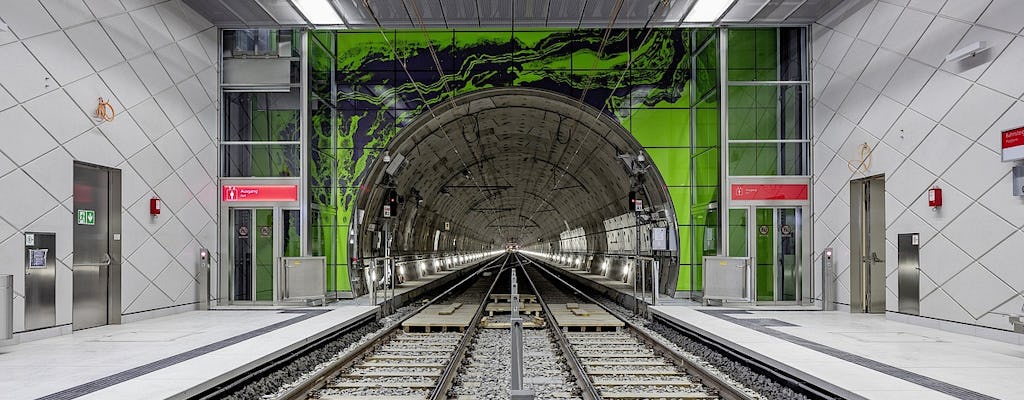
523 184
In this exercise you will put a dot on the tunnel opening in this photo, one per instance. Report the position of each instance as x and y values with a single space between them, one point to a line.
522 167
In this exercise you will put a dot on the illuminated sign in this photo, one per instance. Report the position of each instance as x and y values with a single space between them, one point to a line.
1013 144
232 193
776 191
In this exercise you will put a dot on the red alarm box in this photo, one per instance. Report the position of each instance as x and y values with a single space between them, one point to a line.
154 206
934 197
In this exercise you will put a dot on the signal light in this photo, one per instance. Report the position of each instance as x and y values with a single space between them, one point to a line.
632 200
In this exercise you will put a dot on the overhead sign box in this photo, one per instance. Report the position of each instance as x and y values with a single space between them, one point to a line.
769 191
1013 144
233 193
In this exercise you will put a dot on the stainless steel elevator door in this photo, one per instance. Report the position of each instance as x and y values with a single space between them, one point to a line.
867 245
91 265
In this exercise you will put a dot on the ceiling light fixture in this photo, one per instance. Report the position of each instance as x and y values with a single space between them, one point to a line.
708 10
318 12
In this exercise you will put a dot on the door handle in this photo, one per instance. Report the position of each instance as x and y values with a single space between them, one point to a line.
105 263
874 257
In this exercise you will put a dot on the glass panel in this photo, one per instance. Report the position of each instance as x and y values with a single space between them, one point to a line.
261 117
791 57
291 242
261 160
753 113
759 159
263 236
707 120
789 254
791 113
753 54
706 69
738 232
252 42
241 243
765 254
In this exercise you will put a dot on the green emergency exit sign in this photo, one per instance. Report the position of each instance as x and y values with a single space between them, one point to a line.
86 217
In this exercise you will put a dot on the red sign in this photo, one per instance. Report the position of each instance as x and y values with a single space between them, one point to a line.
781 191
1013 144
260 193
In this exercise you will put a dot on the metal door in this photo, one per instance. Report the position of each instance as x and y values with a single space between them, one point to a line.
867 245
40 280
97 233
909 275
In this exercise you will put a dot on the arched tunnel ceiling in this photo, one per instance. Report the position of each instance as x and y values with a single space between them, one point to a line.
509 164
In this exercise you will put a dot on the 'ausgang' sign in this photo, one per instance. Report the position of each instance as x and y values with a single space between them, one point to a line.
1013 144
260 193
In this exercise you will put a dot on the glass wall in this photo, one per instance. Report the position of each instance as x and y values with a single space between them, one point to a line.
767 95
261 105
705 160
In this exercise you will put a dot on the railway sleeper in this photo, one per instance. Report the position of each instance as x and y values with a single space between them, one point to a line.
657 395
392 374
677 382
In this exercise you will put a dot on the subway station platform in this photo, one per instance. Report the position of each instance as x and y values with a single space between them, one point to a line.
183 354
863 355
168 357
853 355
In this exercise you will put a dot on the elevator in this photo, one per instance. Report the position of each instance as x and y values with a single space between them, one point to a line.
867 245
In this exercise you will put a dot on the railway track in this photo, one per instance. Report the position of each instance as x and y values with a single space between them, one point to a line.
578 348
411 360
611 362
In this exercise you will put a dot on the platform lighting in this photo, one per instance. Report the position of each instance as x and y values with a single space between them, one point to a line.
319 12
708 10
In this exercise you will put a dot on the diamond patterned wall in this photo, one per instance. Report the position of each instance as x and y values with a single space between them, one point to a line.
156 62
880 77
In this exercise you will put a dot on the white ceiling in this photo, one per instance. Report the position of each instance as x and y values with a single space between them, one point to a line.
507 13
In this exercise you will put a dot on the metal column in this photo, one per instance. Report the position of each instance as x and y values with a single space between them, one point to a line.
517 391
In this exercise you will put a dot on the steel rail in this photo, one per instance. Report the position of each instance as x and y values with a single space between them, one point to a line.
589 391
332 370
725 390
444 383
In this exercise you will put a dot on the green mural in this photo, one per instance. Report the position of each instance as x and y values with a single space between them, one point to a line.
383 81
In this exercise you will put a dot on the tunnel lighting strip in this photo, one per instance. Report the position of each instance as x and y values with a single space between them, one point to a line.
430 109
629 63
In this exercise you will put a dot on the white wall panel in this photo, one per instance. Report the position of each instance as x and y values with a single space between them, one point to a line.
106 52
947 136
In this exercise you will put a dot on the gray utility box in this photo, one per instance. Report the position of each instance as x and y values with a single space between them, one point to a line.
303 279
6 307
